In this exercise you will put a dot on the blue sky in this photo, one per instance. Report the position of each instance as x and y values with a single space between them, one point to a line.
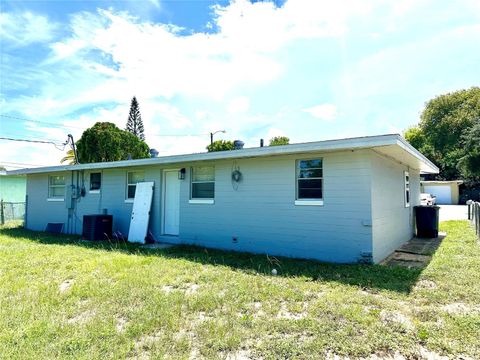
308 69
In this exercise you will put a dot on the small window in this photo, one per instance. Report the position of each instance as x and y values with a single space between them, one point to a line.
203 182
56 187
95 181
407 188
133 178
310 179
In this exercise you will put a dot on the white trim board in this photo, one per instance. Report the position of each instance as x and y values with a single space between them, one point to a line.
390 144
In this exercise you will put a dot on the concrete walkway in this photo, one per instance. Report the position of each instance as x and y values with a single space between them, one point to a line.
453 212
416 253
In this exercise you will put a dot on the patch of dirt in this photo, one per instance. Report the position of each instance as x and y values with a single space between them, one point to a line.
426 284
395 317
82 318
142 345
284 313
64 286
121 323
183 333
240 355
430 355
194 353
460 309
168 288
201 317
191 289
380 356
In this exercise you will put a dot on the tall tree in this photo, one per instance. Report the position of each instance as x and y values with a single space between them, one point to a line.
469 164
106 142
279 140
134 122
442 132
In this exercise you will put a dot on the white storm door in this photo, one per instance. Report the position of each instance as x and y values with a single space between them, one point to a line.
141 212
171 208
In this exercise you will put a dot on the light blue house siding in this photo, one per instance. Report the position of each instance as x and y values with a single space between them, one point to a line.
13 188
260 213
392 221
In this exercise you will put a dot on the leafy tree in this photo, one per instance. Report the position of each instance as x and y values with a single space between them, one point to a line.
279 140
106 142
442 132
134 122
220 145
469 164
69 157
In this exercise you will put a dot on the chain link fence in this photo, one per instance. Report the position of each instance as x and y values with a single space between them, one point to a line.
11 211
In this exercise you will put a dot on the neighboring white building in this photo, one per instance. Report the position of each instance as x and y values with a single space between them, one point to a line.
446 192
348 200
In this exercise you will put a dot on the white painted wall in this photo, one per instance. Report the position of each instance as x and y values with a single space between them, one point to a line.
392 222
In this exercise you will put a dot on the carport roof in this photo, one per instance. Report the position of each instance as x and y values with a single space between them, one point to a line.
392 146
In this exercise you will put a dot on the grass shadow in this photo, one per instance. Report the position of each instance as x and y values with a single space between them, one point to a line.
379 277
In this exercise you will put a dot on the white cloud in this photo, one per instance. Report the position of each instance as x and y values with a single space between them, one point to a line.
327 112
202 82
273 132
240 104
166 114
26 28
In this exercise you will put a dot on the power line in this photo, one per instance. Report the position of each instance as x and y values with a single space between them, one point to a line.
57 145
41 122
14 134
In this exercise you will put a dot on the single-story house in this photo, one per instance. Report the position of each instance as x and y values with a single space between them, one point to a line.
348 200
446 192
12 187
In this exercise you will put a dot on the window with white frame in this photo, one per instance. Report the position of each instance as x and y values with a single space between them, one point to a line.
310 180
202 182
56 187
407 188
133 177
95 181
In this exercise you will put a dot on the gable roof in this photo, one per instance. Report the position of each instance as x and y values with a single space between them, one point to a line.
390 145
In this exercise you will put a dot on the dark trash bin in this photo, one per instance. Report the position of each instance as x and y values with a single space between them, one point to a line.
426 218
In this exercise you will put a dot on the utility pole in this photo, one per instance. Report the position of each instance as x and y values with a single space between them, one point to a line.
70 137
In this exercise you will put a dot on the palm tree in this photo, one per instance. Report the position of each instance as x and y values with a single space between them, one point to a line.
70 157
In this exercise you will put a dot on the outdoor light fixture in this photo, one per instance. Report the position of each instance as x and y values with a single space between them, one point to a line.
215 132
181 174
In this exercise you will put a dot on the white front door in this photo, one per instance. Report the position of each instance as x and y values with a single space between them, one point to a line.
171 203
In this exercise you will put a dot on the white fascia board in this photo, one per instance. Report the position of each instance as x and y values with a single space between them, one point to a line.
430 167
319 146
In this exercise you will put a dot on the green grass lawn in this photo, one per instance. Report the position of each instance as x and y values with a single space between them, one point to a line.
64 298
